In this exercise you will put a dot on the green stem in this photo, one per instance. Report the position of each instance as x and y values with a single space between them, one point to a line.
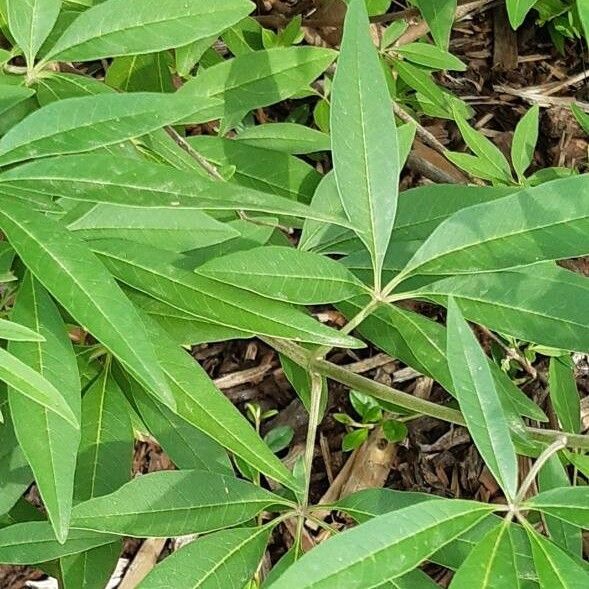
400 398
351 325
314 417
557 445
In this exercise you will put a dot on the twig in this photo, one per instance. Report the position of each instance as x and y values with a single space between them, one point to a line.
400 398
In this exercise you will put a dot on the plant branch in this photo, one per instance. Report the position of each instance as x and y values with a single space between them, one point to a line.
314 417
557 445
377 390
351 325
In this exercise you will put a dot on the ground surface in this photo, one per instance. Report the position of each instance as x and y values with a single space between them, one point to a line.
505 72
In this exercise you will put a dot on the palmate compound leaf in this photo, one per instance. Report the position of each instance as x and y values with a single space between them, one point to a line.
366 504
364 138
141 183
48 441
85 123
174 503
73 275
530 226
479 401
383 548
132 27
30 22
157 273
227 559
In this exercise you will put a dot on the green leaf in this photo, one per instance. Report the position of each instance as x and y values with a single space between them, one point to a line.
34 386
542 224
30 23
430 56
81 124
423 208
364 138
157 273
479 401
49 442
286 137
59 86
15 474
416 579
394 431
420 210
570 504
556 569
254 80
18 333
12 95
141 73
173 228
383 548
300 380
583 12
183 328
130 27
174 503
186 445
366 504
73 275
106 448
272 172
140 183
92 569
439 16
285 274
205 407
34 542
189 55
484 149
354 439
564 394
543 304
553 475
491 564
104 464
231 555
524 141
421 343
326 200
581 116
517 11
